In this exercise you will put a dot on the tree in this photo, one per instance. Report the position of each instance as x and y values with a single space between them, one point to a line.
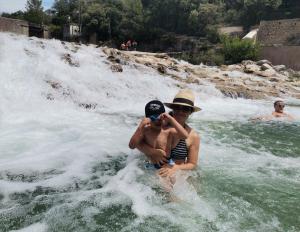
34 11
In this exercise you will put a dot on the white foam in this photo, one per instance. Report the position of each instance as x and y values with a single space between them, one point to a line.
37 227
60 143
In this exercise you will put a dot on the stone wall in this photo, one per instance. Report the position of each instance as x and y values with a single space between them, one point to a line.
280 32
287 55
14 25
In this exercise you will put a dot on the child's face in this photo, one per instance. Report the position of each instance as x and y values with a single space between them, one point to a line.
156 121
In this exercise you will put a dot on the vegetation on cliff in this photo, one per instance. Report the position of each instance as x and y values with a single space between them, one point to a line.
149 21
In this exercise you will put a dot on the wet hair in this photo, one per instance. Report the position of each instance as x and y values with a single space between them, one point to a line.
276 102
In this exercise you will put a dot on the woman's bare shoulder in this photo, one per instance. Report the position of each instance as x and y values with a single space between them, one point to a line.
193 135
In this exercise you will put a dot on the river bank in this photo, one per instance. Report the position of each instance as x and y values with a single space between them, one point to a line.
254 80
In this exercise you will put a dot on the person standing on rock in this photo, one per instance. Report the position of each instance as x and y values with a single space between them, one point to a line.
277 113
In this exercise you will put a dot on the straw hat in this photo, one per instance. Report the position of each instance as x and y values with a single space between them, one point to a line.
184 98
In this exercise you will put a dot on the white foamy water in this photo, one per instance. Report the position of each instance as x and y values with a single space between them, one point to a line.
65 167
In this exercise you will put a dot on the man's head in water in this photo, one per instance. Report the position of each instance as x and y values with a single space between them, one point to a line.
279 106
153 110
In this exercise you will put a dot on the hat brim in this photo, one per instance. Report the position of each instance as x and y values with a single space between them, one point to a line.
170 105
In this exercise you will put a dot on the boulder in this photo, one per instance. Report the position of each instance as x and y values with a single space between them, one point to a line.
192 79
261 62
234 67
279 68
265 67
247 62
161 68
113 59
116 68
274 79
267 73
251 68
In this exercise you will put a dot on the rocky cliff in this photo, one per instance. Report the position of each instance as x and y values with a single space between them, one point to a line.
254 80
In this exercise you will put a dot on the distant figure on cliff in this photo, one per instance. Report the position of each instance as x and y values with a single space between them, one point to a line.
123 46
277 114
134 45
128 44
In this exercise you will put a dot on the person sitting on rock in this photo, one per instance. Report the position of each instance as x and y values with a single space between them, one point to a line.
277 113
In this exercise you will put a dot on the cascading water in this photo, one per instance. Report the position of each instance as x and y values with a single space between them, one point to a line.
65 164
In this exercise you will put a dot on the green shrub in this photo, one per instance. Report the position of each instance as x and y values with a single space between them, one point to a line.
235 49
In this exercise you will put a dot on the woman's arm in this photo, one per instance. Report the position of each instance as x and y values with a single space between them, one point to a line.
192 160
180 131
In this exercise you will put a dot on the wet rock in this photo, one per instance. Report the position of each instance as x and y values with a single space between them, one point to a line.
267 73
274 79
230 80
224 67
161 56
280 68
116 68
248 82
266 67
161 68
50 97
285 73
192 79
248 62
54 85
67 57
261 62
88 105
234 67
114 59
251 68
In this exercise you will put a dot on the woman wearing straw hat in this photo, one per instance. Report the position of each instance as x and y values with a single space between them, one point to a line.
184 152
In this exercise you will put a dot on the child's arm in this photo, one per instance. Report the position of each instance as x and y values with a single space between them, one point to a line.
138 135
181 132
157 156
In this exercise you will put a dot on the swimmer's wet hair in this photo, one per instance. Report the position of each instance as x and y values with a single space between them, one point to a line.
275 103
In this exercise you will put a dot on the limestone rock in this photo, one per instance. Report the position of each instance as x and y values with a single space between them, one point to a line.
116 68
266 67
248 62
67 57
239 80
114 59
192 79
161 68
267 73
251 68
280 68
261 62
234 67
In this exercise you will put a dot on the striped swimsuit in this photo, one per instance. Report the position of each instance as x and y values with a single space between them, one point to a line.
180 152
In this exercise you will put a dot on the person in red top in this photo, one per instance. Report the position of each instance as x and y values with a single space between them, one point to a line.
128 44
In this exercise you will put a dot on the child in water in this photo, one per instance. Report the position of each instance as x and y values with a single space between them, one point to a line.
152 129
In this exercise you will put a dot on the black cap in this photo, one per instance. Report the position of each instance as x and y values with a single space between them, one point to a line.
154 107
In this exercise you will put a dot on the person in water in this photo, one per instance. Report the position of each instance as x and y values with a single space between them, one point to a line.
153 132
184 151
278 113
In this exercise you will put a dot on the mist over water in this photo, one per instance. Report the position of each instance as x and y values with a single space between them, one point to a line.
65 164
